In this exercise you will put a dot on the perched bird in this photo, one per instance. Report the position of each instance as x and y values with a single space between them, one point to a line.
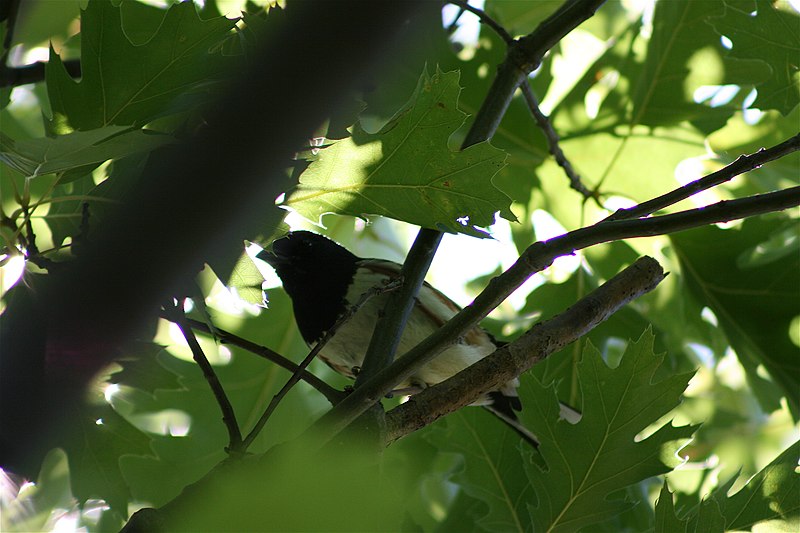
324 279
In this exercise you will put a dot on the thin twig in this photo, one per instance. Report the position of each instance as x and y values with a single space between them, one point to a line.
225 337
542 120
485 19
453 25
536 258
228 415
743 163
348 314
553 140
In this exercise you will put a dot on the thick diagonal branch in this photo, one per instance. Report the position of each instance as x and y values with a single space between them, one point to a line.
515 358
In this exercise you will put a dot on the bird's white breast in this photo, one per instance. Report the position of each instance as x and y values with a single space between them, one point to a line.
347 347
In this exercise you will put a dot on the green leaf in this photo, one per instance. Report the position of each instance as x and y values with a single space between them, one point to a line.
48 155
683 54
771 498
755 301
407 172
709 519
99 439
771 36
772 495
141 369
492 467
125 83
666 520
246 280
588 462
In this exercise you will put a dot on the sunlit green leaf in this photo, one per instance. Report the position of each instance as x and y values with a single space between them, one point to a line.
384 174
755 303
772 36
602 454
124 83
685 53
770 501
48 155
246 280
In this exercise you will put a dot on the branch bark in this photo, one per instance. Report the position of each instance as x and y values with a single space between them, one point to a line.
517 357
744 163
228 414
225 337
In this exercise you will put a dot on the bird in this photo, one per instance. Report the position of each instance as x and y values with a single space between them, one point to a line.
324 280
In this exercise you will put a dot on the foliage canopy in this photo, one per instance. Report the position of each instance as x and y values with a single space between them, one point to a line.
690 395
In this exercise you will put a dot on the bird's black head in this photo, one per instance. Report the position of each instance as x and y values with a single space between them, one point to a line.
315 272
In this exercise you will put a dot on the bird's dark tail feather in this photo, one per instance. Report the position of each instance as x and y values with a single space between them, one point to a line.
503 408
512 422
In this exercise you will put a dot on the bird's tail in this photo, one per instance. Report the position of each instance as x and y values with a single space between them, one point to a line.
503 407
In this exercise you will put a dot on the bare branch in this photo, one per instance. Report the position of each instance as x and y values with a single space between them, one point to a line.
543 121
515 358
273 404
228 415
743 163
225 337
533 105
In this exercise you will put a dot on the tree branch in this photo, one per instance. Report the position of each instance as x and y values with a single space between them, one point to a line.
528 52
391 323
536 258
513 359
744 163
553 140
273 404
485 19
228 415
533 105
225 337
